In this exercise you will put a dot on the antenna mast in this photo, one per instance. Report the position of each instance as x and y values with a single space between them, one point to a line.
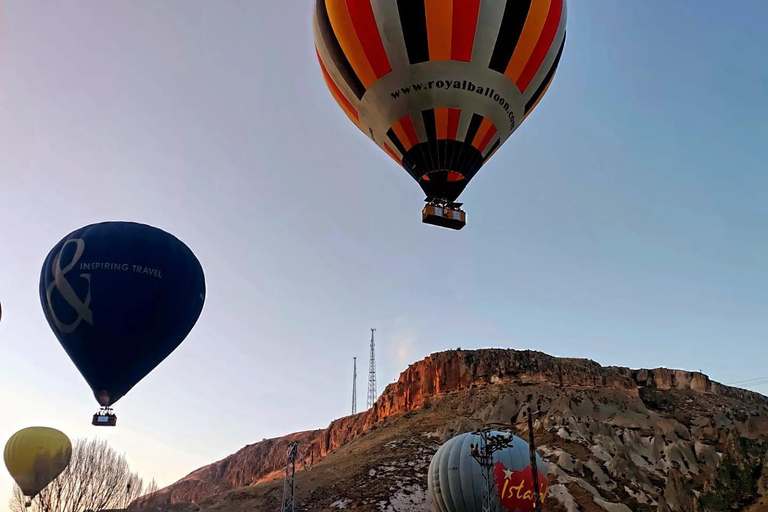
354 386
372 394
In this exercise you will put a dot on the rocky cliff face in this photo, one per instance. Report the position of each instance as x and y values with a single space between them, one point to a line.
644 439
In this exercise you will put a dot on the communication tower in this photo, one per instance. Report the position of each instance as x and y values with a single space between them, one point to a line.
372 395
354 386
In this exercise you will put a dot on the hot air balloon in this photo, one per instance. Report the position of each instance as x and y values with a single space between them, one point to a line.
439 85
120 297
455 481
35 456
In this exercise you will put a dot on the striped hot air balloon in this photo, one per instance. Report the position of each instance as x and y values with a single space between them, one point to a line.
439 85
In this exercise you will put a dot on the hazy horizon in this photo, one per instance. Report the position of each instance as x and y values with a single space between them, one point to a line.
624 222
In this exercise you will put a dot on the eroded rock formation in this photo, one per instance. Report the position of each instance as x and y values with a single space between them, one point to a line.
614 437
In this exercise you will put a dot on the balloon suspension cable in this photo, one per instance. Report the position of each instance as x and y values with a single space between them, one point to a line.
443 203
106 417
483 453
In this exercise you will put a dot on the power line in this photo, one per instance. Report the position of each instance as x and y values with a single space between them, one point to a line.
759 380
759 383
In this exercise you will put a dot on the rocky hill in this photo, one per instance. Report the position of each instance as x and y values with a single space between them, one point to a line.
615 440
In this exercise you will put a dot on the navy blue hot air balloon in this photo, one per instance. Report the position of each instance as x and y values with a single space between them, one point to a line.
120 297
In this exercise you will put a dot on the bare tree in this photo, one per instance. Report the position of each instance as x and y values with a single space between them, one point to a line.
97 478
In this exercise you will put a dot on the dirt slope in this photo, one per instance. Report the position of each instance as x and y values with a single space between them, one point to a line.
615 439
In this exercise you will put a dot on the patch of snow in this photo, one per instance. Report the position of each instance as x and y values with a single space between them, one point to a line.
603 480
612 507
410 499
561 494
601 453
341 503
639 496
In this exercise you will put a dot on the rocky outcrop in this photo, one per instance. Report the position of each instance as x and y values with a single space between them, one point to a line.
626 398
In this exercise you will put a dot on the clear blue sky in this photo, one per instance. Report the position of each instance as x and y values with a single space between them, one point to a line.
624 222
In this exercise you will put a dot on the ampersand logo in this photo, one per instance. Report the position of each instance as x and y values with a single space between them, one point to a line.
60 283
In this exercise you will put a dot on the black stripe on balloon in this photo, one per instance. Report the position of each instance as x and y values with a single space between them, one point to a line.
411 167
336 53
393 137
490 151
474 126
512 23
429 123
428 116
438 184
547 80
413 18
474 164
419 156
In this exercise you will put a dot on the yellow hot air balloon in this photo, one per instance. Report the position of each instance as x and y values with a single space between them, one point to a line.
439 85
35 456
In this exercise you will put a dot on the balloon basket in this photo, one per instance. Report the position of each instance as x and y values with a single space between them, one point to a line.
104 418
444 214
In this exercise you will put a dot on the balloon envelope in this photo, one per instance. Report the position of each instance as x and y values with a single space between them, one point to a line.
439 85
35 456
455 482
120 297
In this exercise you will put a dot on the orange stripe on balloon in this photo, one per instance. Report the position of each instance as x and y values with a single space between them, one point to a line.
349 42
402 136
534 24
485 125
439 28
465 15
538 100
361 14
487 139
410 130
441 123
391 152
336 92
543 46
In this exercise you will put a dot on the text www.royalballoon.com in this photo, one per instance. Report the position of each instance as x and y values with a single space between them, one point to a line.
463 85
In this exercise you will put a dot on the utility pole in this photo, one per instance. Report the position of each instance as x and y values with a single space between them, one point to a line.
289 487
534 466
483 454
354 386
289 502
372 394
